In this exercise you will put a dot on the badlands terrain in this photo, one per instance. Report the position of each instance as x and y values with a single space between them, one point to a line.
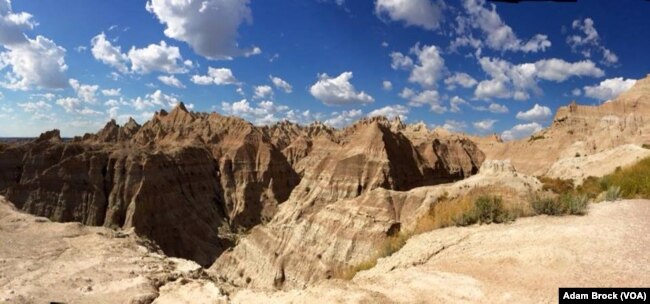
200 207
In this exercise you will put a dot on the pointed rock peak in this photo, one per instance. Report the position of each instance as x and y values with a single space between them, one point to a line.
180 107
111 124
162 113
54 135
131 123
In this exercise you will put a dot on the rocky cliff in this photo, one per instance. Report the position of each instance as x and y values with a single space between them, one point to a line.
192 181
579 130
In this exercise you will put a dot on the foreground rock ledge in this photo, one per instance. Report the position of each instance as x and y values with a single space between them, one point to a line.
41 261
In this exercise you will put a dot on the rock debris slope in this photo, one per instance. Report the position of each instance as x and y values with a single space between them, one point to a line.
193 181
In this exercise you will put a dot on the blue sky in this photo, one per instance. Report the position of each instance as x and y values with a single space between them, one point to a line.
468 66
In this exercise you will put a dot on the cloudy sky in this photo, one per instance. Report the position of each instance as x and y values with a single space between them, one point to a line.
468 65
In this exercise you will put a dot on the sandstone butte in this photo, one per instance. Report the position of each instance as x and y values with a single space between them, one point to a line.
282 207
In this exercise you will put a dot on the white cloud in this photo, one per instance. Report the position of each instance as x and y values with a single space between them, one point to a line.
338 90
171 81
266 112
220 76
454 125
263 91
391 112
497 108
34 107
484 125
521 131
576 92
344 118
37 62
34 63
518 81
406 93
422 13
85 92
13 25
156 99
208 26
104 51
387 85
112 92
281 84
69 104
536 113
590 41
460 79
400 61
497 35
559 70
429 68
455 103
609 89
428 97
157 58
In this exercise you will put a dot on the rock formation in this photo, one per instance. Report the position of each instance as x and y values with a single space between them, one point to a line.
192 181
579 130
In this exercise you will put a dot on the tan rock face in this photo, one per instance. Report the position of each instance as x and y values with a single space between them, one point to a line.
190 180
579 130
308 243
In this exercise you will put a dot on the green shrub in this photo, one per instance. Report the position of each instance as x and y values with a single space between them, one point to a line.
535 137
548 205
575 204
613 193
646 146
486 210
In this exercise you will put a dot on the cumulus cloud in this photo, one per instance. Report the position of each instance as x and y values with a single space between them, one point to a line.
340 120
400 61
497 35
264 113
454 125
518 81
429 68
32 63
220 76
455 103
521 131
609 89
112 92
536 113
104 51
430 98
171 81
85 92
263 91
338 90
484 125
37 62
157 58
34 107
281 84
209 27
460 79
156 99
387 85
406 93
497 108
588 40
391 112
421 13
